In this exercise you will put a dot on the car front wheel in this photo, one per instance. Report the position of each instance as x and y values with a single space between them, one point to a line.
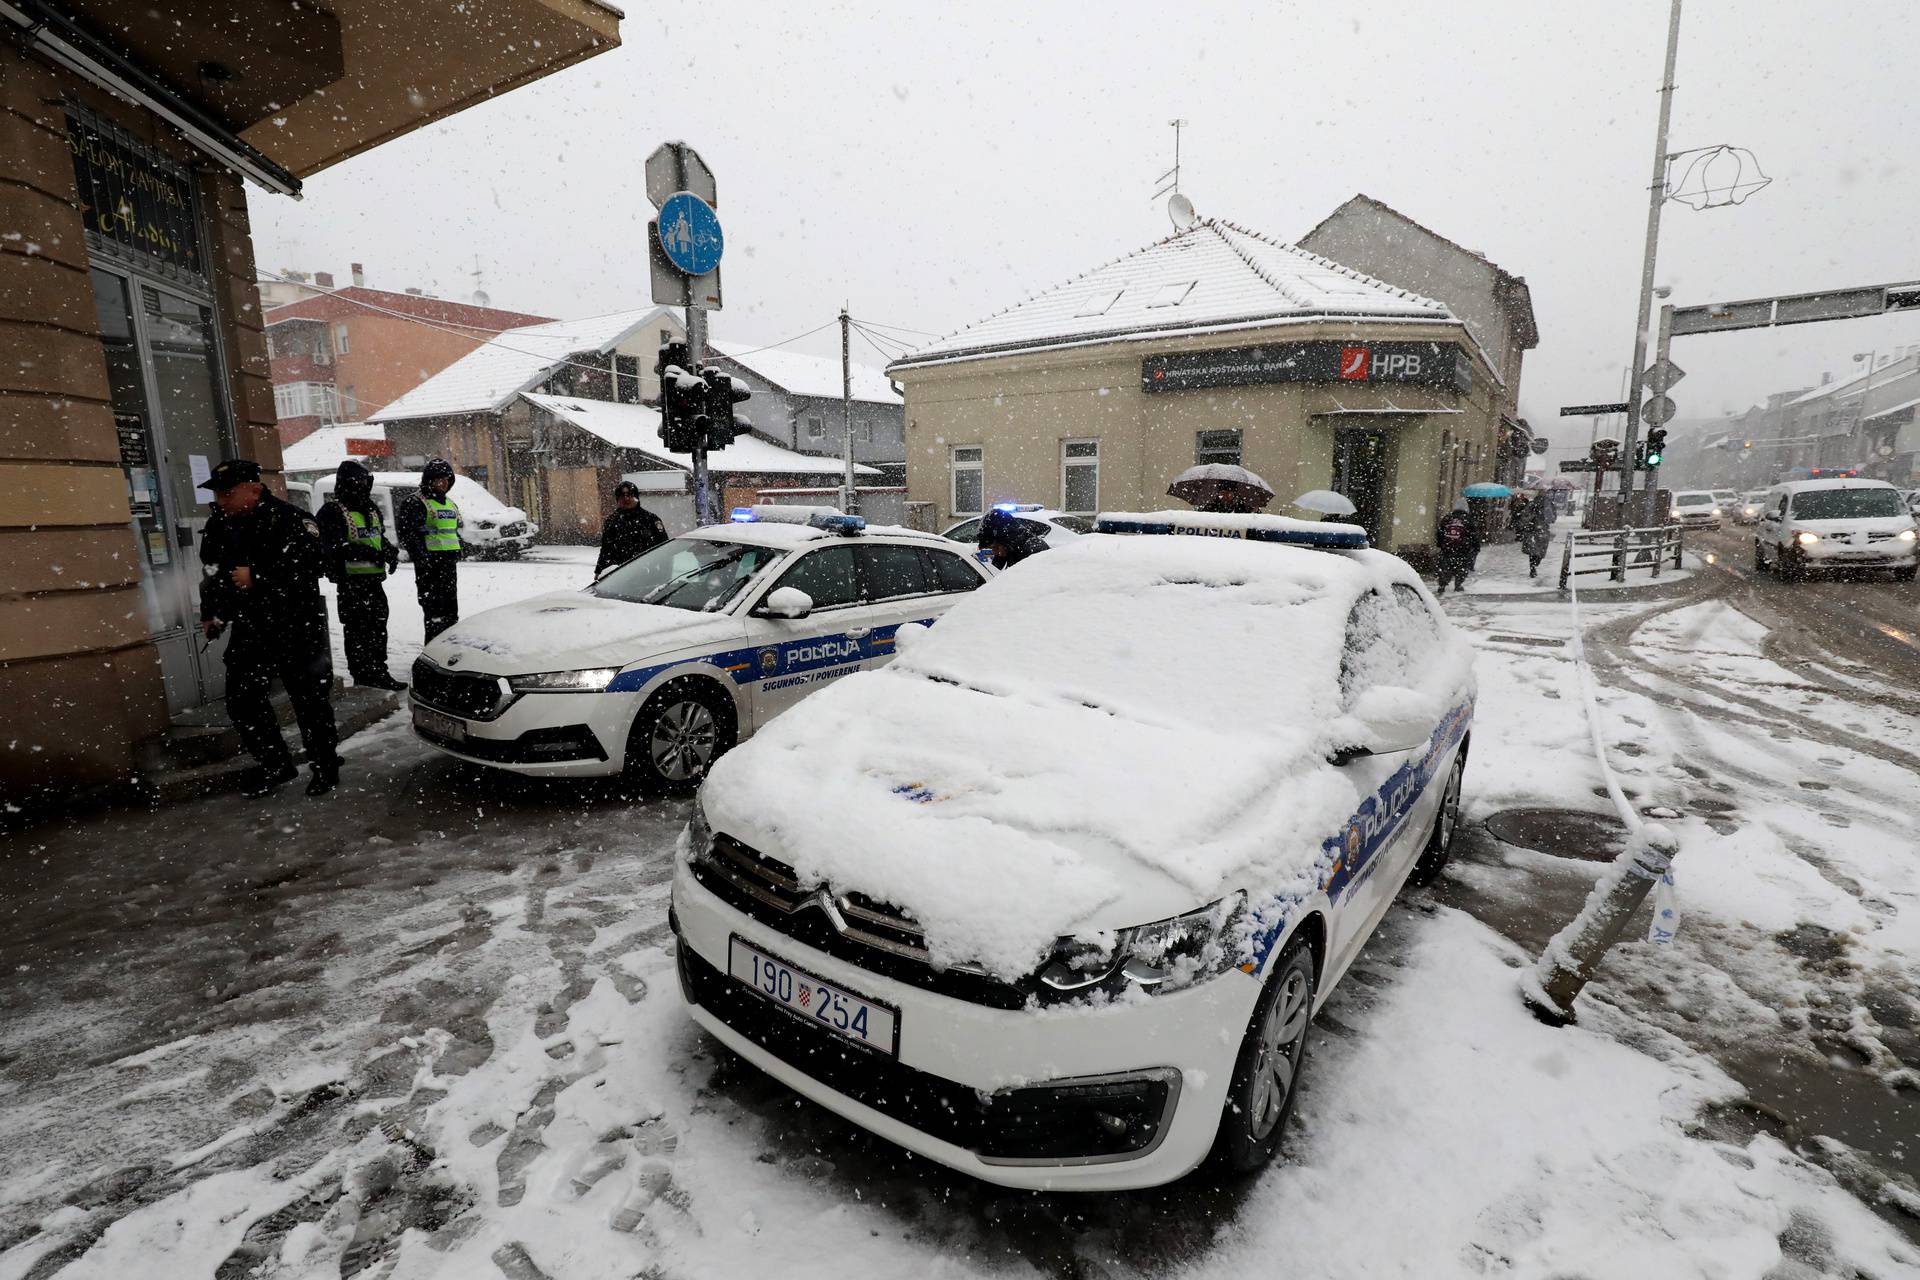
1266 1075
683 728
1759 557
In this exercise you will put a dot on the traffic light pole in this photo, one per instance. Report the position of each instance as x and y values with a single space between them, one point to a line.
1656 197
1661 368
696 355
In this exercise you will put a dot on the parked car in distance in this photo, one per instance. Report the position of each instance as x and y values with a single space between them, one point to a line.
1913 501
1042 905
1837 524
489 528
666 661
1697 509
1057 528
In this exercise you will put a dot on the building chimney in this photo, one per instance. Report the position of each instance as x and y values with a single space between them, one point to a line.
1826 377
324 279
416 293
359 276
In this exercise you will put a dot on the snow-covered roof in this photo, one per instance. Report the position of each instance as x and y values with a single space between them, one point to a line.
326 448
1212 275
804 375
1828 388
492 374
637 427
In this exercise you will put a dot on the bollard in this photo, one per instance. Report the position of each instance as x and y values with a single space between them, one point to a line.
1620 557
1573 955
1566 561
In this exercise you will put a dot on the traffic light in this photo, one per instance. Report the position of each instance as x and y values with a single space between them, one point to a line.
1656 446
723 392
682 399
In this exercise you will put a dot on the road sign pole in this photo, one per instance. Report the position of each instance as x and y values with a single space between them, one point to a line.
697 354
1656 197
1662 376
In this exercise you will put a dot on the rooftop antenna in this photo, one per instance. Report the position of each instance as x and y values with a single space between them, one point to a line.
1169 182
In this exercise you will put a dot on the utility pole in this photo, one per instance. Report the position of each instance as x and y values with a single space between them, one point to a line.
697 355
1656 197
850 498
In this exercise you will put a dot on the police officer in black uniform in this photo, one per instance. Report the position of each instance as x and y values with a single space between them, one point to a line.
361 553
630 529
264 561
430 531
1009 539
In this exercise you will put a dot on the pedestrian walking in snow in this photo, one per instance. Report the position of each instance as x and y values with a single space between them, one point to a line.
264 560
630 529
1533 522
360 555
430 532
1458 543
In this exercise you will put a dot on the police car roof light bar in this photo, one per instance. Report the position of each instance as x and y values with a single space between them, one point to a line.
1015 507
847 525
1324 535
741 515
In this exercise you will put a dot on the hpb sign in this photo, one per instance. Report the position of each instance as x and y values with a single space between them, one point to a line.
1426 364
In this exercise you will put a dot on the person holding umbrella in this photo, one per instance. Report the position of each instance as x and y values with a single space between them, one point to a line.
1221 487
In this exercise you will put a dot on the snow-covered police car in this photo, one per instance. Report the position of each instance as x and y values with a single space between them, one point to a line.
1053 898
665 662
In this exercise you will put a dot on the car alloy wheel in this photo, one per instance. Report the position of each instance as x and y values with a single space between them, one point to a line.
1283 1042
1267 1070
683 740
1446 821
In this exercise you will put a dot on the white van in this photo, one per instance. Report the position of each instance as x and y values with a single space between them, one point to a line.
489 528
1836 524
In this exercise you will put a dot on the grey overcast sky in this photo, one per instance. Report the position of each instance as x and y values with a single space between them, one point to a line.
932 165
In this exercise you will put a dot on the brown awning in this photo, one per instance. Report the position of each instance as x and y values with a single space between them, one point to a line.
308 85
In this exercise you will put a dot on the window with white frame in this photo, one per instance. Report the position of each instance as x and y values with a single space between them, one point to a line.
816 427
306 400
967 468
340 339
1216 446
863 431
1080 475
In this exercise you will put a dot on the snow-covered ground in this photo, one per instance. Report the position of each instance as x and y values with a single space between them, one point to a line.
456 1047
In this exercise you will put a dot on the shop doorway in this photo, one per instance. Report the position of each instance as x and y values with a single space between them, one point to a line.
164 374
1361 470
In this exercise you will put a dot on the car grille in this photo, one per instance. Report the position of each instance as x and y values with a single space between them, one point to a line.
849 926
513 530
466 694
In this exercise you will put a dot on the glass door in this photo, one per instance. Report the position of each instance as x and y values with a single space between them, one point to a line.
1360 473
163 372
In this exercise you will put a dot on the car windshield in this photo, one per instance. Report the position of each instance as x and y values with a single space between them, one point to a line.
686 573
1693 499
1846 504
1079 524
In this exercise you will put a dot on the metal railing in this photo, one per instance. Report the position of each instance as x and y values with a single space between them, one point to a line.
1614 551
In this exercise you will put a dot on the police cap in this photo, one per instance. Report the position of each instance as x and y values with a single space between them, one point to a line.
231 472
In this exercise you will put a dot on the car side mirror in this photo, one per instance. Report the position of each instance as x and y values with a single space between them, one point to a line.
790 603
1384 720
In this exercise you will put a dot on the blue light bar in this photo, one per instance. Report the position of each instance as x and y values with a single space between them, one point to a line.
839 524
1301 533
742 515
1011 507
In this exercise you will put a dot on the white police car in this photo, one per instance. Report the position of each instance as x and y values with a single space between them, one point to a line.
1053 897
668 660
1055 528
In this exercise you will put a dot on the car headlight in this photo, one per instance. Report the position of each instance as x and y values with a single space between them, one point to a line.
1716 511
1908 535
699 831
1806 539
1162 956
483 524
588 680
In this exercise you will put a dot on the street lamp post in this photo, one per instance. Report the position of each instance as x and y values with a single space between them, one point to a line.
1860 419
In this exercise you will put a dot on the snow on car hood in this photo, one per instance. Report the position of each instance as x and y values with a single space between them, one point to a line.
1112 733
570 630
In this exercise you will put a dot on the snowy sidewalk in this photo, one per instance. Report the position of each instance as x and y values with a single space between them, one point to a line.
1502 571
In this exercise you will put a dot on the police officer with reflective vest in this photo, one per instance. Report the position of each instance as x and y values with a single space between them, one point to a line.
430 532
264 562
360 555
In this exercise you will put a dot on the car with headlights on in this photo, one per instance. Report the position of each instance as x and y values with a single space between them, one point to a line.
1837 524
1748 510
665 662
1697 509
1053 898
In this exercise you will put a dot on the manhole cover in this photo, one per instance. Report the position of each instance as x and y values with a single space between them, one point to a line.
1564 833
1546 642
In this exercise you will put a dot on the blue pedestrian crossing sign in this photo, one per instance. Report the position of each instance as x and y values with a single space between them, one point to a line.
690 233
